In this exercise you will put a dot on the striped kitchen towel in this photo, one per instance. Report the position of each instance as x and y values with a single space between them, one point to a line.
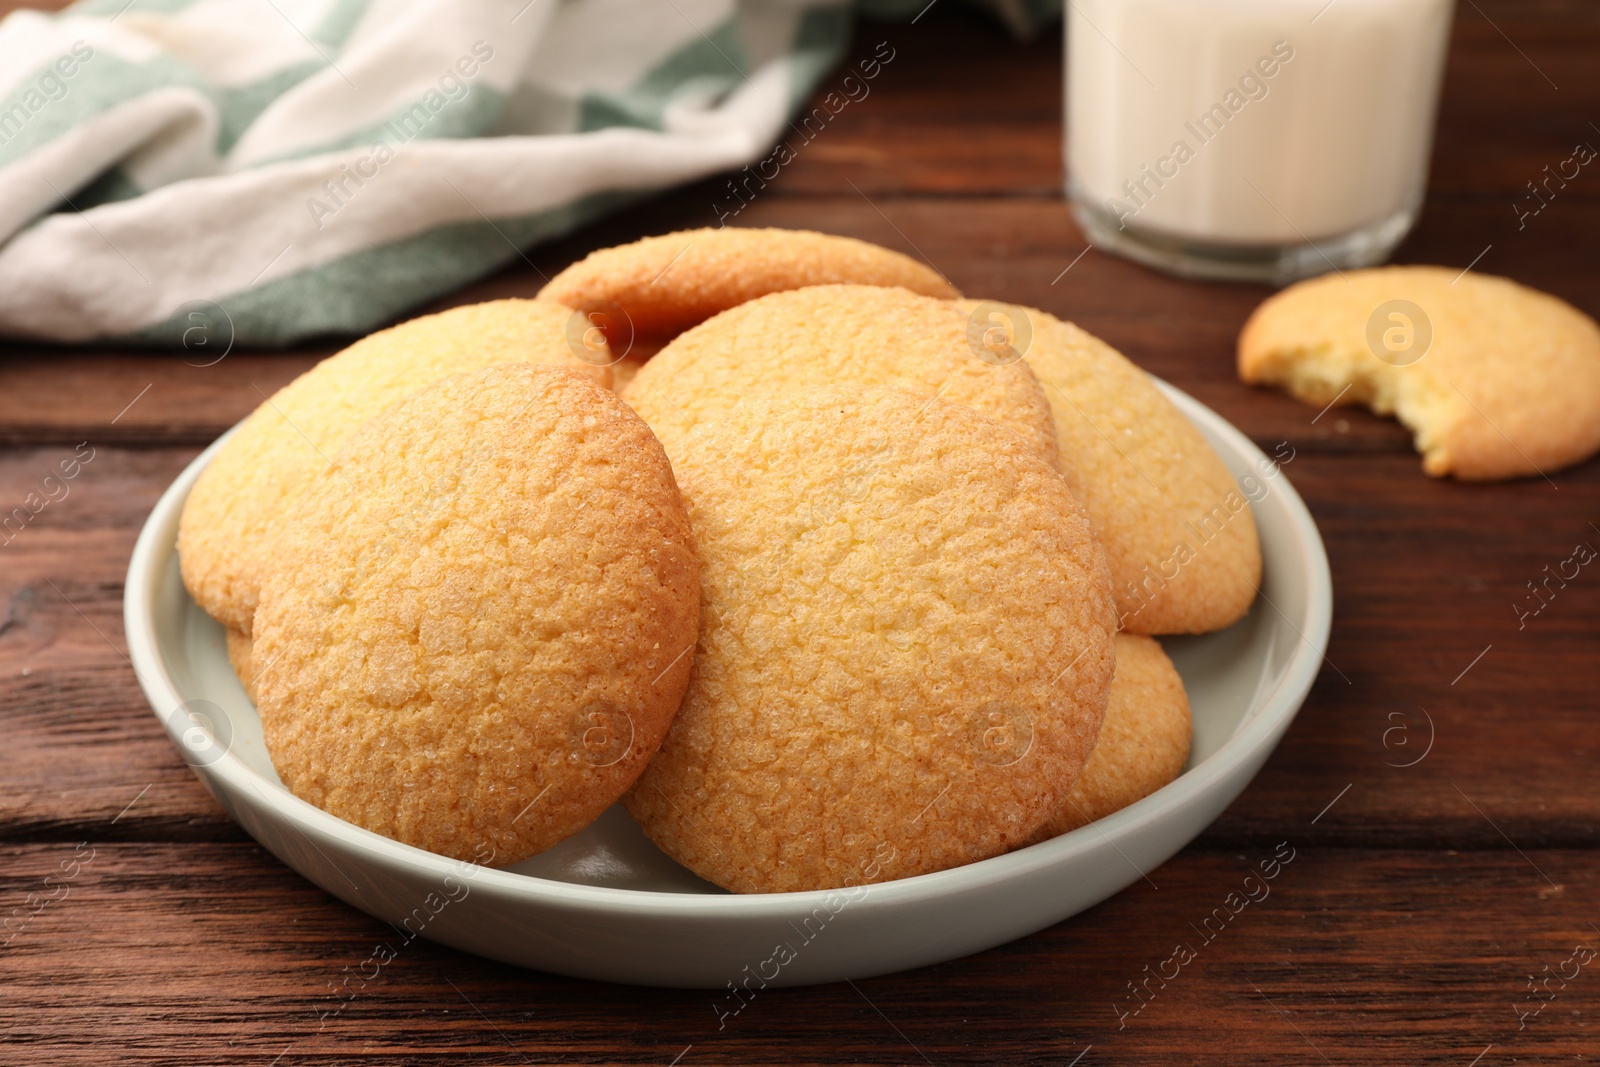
281 169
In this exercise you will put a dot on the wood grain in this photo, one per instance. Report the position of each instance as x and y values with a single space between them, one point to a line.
1425 891
215 954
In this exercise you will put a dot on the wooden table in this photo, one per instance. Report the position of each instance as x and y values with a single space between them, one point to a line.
1421 899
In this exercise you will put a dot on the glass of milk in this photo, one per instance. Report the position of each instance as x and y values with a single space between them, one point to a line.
1262 140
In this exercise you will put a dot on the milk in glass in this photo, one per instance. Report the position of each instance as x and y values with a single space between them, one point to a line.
1266 139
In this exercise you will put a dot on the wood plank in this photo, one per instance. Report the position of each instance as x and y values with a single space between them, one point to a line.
78 728
1426 575
62 396
215 954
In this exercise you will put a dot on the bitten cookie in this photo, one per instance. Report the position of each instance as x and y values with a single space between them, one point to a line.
667 284
1144 740
226 533
1494 380
905 646
1177 529
483 622
826 335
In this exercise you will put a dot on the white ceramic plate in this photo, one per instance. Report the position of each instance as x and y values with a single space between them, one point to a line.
607 904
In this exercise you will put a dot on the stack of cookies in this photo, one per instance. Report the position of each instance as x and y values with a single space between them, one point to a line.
829 574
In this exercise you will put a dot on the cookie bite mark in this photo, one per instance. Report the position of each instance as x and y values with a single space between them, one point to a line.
1322 374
